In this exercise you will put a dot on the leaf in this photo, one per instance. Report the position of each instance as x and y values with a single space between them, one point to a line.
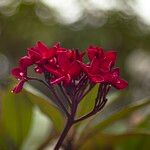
144 125
85 106
116 117
87 103
46 107
122 113
16 117
36 136
114 141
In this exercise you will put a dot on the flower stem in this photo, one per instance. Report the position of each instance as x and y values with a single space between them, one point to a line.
64 133
86 116
53 92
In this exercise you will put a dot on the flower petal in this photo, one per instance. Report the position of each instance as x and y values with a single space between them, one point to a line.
84 67
74 69
111 56
97 78
105 66
18 87
17 73
94 51
63 61
120 84
52 70
116 72
34 54
25 62
43 49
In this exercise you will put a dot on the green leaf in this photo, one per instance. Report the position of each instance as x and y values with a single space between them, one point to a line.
122 113
116 117
16 117
46 107
126 141
87 103
144 125
85 106
82 126
36 136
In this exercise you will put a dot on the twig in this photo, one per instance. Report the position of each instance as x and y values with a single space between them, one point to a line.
53 92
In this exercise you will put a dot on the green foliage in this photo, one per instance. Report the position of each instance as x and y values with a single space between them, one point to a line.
118 116
87 103
127 141
122 114
47 107
16 117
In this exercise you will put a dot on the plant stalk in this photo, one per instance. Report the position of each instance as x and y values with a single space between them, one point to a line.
64 133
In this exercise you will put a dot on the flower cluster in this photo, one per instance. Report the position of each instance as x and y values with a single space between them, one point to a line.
66 66
66 69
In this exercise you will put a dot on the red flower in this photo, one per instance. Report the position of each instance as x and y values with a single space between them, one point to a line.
100 70
41 53
98 76
67 67
101 59
94 72
21 75
64 65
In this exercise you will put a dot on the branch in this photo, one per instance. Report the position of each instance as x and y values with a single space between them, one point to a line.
59 101
66 95
53 92
86 116
84 94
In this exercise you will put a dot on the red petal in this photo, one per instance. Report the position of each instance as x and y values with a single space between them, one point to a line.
120 84
63 61
116 72
97 78
25 62
95 66
18 87
34 54
67 79
17 73
94 51
85 67
52 70
42 47
74 69
105 66
111 56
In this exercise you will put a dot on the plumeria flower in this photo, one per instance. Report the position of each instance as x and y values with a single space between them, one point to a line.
67 68
100 58
100 68
40 53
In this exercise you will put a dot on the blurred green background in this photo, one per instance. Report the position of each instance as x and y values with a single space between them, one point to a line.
122 25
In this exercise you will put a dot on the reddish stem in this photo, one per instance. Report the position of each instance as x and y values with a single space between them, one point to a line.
64 133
